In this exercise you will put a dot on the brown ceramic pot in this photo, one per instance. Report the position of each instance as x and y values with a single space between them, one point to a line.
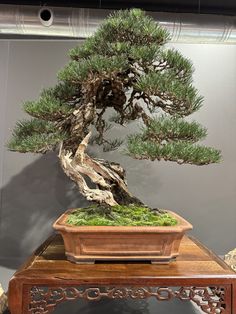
87 244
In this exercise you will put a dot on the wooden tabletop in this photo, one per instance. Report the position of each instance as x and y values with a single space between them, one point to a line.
195 261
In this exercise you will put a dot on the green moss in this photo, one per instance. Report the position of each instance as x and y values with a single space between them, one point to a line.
131 215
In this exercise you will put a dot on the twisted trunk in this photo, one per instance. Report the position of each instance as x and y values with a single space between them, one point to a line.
111 187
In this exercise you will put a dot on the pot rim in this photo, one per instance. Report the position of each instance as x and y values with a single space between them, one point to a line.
182 226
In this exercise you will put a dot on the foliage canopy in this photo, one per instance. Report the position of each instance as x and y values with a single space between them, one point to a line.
123 66
123 73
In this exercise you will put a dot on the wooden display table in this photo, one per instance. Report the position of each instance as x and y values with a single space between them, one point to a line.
47 279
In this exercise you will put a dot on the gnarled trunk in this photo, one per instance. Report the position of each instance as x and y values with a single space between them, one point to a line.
111 187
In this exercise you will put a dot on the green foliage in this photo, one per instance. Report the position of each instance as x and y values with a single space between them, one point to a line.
88 48
27 127
48 107
132 26
181 151
79 71
173 129
144 54
123 30
65 92
136 52
35 136
173 61
123 66
119 216
185 97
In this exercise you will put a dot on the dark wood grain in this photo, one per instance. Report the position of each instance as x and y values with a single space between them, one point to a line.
196 266
234 297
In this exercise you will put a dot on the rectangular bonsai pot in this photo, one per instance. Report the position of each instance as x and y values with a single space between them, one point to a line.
87 244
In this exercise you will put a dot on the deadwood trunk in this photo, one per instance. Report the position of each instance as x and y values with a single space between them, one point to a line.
109 177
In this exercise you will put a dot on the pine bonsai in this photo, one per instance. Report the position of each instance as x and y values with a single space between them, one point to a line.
121 74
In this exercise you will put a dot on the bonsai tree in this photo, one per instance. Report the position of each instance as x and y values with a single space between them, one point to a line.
121 74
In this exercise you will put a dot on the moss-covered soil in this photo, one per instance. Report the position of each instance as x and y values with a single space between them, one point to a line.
131 215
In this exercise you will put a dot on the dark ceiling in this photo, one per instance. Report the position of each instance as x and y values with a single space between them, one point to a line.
226 7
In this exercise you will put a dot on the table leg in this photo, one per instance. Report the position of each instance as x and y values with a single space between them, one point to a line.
234 297
15 296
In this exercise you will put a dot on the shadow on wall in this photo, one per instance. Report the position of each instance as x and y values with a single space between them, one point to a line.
31 201
147 306
34 198
103 306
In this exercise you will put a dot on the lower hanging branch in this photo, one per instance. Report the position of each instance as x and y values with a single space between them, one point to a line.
108 177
